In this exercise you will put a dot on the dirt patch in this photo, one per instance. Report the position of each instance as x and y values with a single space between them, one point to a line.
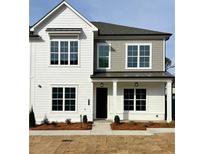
63 126
140 125
156 144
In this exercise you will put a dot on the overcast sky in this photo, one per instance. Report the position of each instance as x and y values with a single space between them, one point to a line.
149 14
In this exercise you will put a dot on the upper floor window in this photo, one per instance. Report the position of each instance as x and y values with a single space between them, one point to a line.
64 52
138 56
103 56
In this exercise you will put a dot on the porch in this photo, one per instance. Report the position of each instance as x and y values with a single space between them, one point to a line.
132 98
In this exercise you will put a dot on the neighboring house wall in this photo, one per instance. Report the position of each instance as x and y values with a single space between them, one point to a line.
46 75
155 101
118 55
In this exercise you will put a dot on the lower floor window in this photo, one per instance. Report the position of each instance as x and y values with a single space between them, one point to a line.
63 98
135 99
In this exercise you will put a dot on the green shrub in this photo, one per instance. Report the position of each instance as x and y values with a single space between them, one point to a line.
117 119
85 119
45 120
32 120
68 121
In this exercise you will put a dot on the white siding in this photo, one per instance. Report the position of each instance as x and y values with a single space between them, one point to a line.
46 75
155 103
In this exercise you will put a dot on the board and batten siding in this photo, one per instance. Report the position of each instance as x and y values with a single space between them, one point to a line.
155 101
118 52
46 75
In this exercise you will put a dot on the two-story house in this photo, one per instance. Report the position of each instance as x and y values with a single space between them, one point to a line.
97 69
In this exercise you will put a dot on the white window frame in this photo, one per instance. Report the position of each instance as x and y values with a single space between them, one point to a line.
76 97
136 111
68 40
109 61
138 56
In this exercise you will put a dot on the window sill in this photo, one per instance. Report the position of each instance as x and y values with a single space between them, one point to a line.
64 66
138 68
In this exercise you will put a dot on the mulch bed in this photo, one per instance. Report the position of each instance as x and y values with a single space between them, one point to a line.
63 126
141 125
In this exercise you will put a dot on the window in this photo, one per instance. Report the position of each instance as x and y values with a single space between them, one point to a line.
68 52
63 98
73 53
57 99
135 99
103 56
69 99
138 56
54 52
140 99
64 52
128 99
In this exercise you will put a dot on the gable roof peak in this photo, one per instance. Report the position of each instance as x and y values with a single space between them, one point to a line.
63 2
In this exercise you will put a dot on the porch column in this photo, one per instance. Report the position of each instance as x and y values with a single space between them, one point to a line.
169 100
114 97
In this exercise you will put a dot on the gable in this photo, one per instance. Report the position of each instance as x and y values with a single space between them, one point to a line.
64 12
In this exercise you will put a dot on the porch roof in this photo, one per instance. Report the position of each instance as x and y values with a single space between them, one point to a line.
132 75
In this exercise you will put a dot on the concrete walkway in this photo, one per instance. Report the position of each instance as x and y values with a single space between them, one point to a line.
101 128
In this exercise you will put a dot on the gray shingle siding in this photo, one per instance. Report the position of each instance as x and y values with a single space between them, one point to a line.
118 48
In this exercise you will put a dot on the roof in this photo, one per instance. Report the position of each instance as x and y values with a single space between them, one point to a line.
132 75
114 29
63 2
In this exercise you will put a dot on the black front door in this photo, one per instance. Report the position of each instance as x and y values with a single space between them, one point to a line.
101 108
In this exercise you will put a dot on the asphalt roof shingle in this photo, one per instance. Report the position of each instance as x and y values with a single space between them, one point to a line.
114 29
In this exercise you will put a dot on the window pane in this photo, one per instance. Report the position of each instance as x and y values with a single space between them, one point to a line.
140 99
57 93
64 58
104 50
103 62
132 61
74 59
69 105
74 46
144 55
103 56
54 46
64 46
132 50
57 105
144 61
132 56
128 93
54 52
57 99
128 99
69 92
140 93
128 105
54 58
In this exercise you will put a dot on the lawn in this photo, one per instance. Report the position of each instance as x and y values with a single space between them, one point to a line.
159 144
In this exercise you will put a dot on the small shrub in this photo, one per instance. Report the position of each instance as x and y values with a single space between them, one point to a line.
85 119
68 121
117 119
45 120
32 120
54 123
